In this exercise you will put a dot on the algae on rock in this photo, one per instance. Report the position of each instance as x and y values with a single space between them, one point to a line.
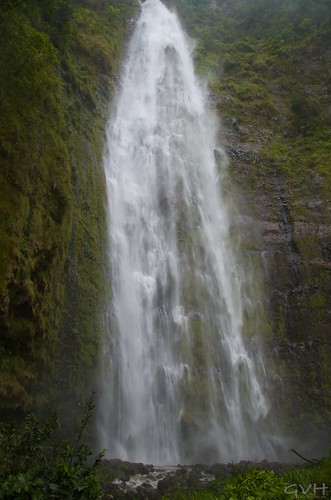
59 63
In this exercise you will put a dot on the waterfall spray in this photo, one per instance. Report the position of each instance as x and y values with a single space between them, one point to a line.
179 381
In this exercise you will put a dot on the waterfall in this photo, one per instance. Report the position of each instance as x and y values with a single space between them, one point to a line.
182 382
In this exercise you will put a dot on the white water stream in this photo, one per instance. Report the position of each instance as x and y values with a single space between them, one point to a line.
180 383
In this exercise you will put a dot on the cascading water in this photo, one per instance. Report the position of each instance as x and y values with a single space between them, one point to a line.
179 384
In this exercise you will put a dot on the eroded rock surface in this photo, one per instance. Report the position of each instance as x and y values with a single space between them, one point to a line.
136 480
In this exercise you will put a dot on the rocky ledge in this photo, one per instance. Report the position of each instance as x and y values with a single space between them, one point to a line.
137 480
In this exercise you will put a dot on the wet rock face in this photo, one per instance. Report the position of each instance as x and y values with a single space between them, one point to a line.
132 480
286 231
274 106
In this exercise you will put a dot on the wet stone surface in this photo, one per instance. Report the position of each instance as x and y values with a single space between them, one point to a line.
137 480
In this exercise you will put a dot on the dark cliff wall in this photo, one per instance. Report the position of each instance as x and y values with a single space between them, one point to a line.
59 60
268 66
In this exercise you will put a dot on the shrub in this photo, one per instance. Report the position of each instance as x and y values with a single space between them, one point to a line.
34 467
255 484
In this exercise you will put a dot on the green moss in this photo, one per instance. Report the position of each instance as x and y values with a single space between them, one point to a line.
317 301
52 214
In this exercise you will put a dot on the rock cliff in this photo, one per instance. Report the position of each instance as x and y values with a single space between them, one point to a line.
268 67
59 63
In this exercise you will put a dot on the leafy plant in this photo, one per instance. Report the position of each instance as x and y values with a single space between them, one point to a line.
308 477
255 484
33 466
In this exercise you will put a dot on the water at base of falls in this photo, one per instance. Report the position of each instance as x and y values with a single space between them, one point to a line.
181 382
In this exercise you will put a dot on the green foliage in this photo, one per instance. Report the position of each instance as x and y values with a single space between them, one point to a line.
255 484
317 474
33 466
263 484
307 112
